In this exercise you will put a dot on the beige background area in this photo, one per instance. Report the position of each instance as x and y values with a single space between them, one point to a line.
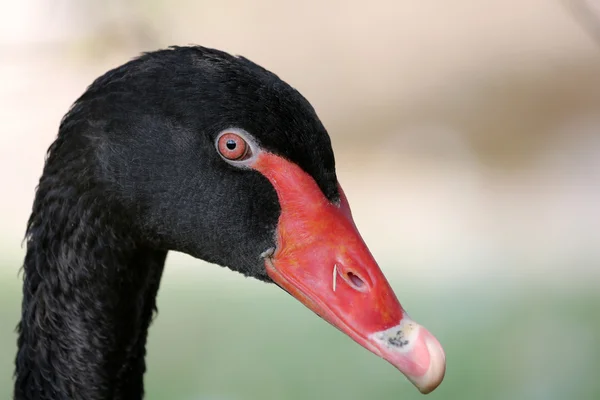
466 136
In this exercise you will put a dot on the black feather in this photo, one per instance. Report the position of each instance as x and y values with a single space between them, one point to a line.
133 174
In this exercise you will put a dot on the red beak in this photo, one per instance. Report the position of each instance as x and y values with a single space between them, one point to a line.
322 261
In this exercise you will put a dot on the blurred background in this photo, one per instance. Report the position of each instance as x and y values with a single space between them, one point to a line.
467 138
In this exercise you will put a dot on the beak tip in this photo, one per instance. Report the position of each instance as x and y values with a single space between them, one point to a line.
434 376
415 352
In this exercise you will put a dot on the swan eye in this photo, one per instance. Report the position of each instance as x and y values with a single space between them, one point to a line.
233 147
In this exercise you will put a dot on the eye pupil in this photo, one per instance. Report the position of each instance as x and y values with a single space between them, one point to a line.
231 144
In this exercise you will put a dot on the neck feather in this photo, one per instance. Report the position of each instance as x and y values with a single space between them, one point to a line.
88 298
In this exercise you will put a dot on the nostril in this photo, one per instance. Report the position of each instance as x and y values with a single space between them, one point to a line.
356 281
351 278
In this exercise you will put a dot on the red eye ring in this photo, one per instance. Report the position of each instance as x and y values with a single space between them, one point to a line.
233 147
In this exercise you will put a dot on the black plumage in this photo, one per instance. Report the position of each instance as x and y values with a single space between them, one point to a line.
133 174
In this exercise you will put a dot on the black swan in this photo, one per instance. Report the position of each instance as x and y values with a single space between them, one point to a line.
193 150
